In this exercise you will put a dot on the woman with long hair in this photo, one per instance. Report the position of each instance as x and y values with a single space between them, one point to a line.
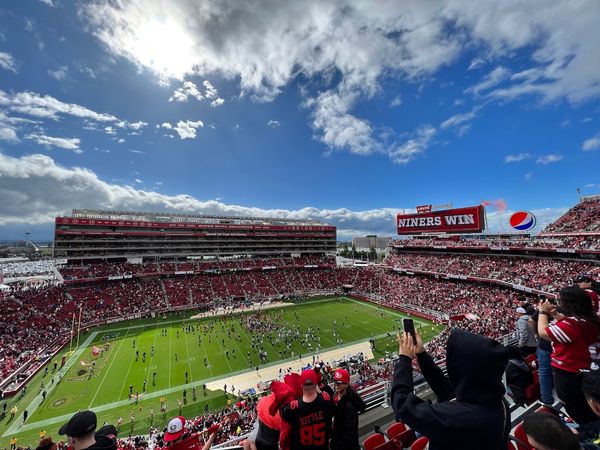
573 335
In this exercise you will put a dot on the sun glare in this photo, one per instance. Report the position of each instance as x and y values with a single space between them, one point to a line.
164 47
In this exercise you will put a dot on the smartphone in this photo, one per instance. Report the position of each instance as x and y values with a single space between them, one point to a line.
409 327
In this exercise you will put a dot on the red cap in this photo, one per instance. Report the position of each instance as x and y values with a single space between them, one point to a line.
175 429
341 376
309 377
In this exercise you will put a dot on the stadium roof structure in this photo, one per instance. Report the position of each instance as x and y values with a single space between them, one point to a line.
185 217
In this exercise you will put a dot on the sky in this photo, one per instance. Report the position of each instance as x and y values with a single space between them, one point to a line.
346 112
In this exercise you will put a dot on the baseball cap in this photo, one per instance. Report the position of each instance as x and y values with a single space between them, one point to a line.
521 310
308 377
341 376
583 278
80 424
175 429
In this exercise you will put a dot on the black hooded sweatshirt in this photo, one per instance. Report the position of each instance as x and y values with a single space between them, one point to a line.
471 412
106 439
344 434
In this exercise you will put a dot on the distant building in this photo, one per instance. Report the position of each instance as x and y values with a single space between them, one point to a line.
371 241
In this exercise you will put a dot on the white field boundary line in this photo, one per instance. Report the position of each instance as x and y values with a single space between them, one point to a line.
37 401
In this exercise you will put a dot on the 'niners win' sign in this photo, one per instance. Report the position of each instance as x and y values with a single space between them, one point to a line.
458 220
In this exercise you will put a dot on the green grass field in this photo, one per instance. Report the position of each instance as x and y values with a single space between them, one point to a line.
201 352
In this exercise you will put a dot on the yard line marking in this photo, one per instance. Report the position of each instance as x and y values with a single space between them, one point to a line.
152 355
188 354
129 369
170 355
108 369
223 351
206 355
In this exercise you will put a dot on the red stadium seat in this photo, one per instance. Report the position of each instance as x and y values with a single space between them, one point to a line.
395 429
406 438
374 441
532 392
420 443
522 442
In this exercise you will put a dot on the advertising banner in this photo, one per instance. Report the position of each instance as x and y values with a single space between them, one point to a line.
458 220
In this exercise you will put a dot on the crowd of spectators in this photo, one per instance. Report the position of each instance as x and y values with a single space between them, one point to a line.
576 242
548 275
115 269
583 217
51 308
27 268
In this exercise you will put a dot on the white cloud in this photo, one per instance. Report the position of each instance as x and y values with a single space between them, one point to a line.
138 125
49 141
516 158
273 123
186 129
59 74
137 180
89 71
492 79
45 106
211 91
548 159
412 148
110 130
189 89
591 143
339 129
36 189
396 101
138 152
358 44
528 176
476 63
48 2
120 140
7 62
8 133
459 119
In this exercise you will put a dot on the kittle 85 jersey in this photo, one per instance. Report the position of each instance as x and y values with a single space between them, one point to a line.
311 422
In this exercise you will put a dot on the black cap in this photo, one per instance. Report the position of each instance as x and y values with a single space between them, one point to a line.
82 423
583 278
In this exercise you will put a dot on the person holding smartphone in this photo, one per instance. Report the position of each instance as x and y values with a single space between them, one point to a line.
470 408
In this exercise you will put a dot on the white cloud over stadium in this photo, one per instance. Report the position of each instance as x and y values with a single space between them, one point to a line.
351 46
36 189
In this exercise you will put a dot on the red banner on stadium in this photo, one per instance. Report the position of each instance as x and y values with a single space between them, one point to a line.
424 209
458 220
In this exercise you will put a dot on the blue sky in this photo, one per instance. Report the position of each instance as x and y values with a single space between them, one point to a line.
332 110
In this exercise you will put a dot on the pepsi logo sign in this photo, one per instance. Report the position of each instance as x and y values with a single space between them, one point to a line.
522 221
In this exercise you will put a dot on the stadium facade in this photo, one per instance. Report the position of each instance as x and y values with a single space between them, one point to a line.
139 236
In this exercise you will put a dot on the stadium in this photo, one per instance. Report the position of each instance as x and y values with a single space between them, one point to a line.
317 225
144 316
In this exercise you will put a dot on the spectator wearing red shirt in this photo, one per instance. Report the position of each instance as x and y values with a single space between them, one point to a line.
585 282
574 332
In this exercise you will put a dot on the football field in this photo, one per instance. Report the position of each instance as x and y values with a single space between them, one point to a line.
138 362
